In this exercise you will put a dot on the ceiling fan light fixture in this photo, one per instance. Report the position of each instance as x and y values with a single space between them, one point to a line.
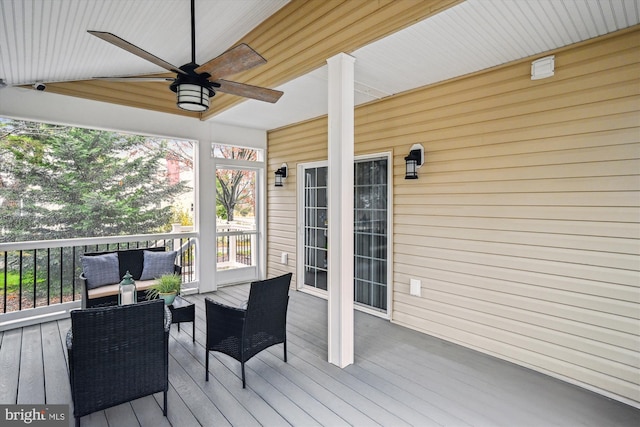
193 97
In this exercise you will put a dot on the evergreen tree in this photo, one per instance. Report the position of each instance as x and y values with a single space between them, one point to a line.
61 182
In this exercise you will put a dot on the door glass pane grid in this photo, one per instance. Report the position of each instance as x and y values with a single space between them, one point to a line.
315 228
370 233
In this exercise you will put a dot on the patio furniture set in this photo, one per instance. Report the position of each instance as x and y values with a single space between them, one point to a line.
118 353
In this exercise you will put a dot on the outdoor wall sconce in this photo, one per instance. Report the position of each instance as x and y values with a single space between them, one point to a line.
281 174
414 160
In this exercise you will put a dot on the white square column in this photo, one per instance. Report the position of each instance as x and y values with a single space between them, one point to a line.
340 209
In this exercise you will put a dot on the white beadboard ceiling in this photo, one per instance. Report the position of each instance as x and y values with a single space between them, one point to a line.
46 40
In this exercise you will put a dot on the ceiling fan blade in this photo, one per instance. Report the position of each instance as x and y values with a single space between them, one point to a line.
123 44
235 60
134 79
248 91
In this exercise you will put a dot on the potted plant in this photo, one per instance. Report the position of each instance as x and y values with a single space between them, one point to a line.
166 287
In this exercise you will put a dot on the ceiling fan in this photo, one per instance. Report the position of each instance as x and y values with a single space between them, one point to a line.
194 84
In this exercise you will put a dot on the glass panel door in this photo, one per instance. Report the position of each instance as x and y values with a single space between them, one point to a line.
315 228
370 233
236 225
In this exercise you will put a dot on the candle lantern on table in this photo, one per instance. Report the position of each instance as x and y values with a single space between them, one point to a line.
127 293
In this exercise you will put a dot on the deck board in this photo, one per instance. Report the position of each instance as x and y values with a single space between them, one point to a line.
31 378
400 378
149 412
57 387
10 346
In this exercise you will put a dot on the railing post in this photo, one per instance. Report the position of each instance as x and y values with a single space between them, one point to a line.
20 282
6 273
252 250
35 277
49 276
232 249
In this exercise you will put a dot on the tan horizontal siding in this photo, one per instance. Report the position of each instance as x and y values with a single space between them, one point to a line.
545 248
524 224
533 214
494 233
306 142
416 246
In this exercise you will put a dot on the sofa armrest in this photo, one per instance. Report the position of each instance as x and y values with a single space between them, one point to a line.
85 290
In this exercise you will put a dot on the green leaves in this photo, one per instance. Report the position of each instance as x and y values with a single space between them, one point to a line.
65 182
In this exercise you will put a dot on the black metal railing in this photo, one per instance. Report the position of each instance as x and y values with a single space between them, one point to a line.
222 248
243 249
37 274
235 246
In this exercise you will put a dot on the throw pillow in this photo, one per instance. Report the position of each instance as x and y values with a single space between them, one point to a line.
100 270
157 263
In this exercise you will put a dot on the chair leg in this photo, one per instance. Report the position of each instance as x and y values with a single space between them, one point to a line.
243 381
164 411
77 421
206 370
285 351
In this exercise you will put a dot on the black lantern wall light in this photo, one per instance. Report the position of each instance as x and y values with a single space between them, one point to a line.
414 160
281 174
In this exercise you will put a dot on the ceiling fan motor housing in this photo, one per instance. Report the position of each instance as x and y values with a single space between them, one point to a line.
194 78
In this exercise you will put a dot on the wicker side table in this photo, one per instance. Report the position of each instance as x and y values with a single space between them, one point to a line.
183 311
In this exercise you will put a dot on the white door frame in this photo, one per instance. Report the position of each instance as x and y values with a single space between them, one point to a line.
250 273
300 228
300 232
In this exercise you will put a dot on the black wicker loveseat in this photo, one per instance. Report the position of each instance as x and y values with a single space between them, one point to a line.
118 354
103 271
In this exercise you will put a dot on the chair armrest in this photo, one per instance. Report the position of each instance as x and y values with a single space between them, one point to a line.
85 290
223 321
167 319
224 310
69 340
177 269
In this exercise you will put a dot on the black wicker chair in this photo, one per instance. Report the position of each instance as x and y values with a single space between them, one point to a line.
118 354
243 333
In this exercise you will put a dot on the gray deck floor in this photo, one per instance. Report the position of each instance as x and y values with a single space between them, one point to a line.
400 378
